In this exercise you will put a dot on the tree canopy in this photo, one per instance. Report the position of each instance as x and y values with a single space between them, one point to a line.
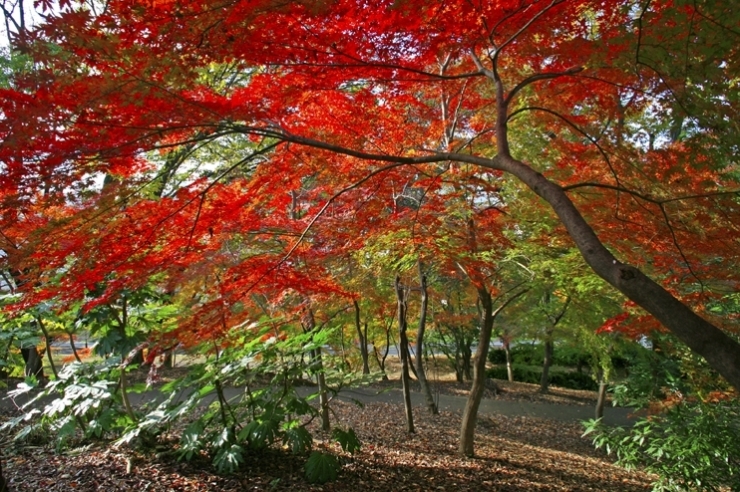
227 151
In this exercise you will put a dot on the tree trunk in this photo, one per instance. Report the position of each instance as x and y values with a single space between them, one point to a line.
362 337
34 366
546 363
423 382
467 356
73 347
509 369
47 338
459 371
601 400
3 483
404 352
549 345
470 414
309 325
721 352
323 390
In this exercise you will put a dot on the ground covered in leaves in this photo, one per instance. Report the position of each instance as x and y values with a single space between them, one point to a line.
513 454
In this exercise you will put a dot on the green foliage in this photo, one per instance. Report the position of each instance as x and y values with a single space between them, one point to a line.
347 439
671 368
86 400
267 412
533 354
297 437
533 375
650 374
229 458
191 442
692 446
321 467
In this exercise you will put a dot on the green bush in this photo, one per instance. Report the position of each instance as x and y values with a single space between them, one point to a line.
533 354
523 374
563 379
497 356
573 380
692 446
528 354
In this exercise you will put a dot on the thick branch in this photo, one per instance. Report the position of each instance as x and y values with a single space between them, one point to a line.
540 76
721 351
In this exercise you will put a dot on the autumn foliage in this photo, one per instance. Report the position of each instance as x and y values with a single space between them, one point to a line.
233 151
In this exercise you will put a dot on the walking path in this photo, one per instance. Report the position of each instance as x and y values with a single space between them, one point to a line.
488 407
493 407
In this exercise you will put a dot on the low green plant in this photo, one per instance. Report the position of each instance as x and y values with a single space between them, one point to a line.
558 377
321 467
84 397
267 410
693 445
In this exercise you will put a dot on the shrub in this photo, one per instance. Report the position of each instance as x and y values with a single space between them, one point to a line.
497 356
692 446
563 379
533 354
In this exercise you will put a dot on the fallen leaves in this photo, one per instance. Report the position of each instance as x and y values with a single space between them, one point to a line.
513 454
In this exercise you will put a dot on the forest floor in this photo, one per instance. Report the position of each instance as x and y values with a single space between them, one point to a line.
513 453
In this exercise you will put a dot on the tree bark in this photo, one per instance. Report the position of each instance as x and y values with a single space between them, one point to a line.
546 363
467 358
550 345
470 414
420 373
47 338
721 352
316 360
404 352
362 337
601 400
73 347
3 483
509 369
34 366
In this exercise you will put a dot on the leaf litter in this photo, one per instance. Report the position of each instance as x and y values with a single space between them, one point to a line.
512 454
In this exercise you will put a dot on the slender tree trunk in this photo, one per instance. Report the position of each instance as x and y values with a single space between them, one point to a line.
381 360
467 357
47 338
362 337
323 391
3 483
404 352
550 346
73 347
33 365
124 395
316 360
509 369
470 414
546 363
601 400
423 382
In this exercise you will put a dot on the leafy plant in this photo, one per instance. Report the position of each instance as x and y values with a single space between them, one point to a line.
347 439
321 467
693 445
85 397
267 411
